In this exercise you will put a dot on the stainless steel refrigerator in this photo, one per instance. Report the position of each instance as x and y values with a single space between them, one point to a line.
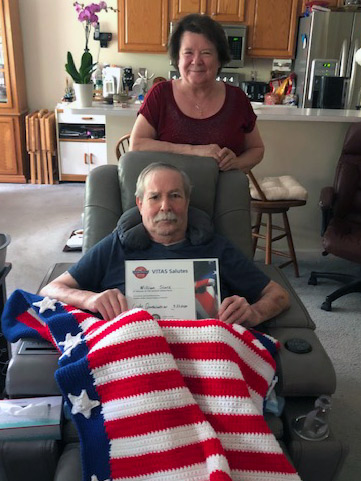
326 46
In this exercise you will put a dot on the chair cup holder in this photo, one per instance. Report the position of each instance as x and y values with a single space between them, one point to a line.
314 425
319 434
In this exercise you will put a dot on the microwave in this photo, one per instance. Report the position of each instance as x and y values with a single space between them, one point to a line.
236 36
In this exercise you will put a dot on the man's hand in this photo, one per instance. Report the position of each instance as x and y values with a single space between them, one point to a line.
109 303
237 310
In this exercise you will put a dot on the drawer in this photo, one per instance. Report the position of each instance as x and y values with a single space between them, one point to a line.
69 118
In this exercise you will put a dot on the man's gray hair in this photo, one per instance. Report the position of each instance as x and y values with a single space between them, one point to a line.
139 191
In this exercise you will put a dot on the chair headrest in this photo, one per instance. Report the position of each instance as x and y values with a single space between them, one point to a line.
352 143
202 171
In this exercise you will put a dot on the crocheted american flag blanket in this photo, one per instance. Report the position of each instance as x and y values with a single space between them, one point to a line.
158 399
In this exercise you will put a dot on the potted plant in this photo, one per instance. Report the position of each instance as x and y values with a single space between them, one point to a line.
83 85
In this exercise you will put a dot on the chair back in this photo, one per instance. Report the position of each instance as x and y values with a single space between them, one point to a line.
260 192
347 183
122 146
341 204
222 195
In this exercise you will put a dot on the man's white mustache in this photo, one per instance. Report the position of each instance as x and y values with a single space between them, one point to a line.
161 216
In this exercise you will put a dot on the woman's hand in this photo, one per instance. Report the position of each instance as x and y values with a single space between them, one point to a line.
227 159
109 303
237 310
210 150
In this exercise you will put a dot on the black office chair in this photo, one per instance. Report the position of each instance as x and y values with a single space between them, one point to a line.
341 217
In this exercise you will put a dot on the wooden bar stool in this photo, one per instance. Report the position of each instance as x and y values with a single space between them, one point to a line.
268 208
122 146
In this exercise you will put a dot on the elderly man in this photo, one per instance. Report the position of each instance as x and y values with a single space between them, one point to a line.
97 282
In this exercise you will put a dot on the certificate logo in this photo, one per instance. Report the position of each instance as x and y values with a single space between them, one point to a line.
140 272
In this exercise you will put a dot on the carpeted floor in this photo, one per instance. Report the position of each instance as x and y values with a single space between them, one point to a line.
41 218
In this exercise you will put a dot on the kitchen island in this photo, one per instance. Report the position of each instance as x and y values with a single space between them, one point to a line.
304 143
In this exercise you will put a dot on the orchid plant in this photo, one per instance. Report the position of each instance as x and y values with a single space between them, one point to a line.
87 14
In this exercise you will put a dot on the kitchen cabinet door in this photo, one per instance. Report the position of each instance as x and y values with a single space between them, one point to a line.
76 159
97 155
180 8
272 26
227 10
220 10
143 26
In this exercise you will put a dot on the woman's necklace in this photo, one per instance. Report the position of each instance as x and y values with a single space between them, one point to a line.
199 109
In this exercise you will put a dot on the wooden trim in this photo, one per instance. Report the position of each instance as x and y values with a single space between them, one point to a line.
13 179
73 177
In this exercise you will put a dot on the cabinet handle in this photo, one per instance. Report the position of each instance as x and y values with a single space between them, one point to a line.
85 162
87 118
90 158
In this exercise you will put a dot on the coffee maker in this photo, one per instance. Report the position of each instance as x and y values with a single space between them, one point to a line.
128 78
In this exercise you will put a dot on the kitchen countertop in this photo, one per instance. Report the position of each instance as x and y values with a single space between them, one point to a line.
264 112
288 113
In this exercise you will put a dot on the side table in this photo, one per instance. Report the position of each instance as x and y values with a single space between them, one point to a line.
4 353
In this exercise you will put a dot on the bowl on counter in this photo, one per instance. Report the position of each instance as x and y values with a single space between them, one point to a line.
4 242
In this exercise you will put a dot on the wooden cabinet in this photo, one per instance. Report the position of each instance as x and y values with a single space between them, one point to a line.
79 158
13 108
272 26
78 154
143 26
220 10
12 149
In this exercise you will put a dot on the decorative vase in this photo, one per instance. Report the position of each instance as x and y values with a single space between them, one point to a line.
83 94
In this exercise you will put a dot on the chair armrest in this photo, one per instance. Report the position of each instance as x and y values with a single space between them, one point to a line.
297 315
327 199
308 374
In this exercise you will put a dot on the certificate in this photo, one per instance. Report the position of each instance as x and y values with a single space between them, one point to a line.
174 288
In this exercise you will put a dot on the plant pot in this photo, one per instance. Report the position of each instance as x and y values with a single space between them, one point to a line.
83 94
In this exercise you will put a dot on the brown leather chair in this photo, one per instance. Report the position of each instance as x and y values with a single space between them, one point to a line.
341 216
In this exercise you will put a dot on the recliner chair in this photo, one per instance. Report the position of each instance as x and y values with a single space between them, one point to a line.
341 217
224 196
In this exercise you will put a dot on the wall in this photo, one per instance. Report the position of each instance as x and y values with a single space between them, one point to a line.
309 151
50 28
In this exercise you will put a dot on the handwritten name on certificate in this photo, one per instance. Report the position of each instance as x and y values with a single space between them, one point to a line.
174 288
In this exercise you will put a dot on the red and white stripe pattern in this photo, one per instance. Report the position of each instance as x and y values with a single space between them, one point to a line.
182 400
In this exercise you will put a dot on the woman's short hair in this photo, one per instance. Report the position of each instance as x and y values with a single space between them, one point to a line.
139 190
204 25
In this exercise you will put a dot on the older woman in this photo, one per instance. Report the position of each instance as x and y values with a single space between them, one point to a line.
196 114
